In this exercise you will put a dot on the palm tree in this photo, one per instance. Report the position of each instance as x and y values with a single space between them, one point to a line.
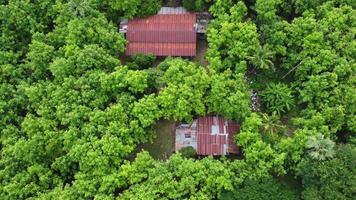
79 8
272 124
262 58
320 148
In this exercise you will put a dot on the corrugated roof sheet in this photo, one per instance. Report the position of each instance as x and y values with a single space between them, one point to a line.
161 49
216 144
211 144
162 35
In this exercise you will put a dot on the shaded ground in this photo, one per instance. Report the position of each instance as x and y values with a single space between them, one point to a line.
202 46
164 143
286 120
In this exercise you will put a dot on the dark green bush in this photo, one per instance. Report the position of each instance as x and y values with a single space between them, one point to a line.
265 188
188 152
194 5
141 61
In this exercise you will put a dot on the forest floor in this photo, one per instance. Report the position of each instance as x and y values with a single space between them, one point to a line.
202 47
164 143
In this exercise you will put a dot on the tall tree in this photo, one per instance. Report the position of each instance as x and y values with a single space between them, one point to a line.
330 179
184 86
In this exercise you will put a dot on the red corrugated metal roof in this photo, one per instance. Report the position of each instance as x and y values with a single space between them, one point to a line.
213 144
161 49
162 35
210 144
164 22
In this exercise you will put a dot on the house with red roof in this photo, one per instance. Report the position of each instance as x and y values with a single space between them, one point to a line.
209 135
171 32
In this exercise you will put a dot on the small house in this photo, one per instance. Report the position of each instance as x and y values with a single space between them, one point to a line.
209 135
171 32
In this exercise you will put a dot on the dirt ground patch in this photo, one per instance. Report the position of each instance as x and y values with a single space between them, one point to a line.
202 46
164 143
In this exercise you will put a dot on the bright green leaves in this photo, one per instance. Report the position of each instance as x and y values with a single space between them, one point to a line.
231 40
177 178
316 90
230 44
259 154
39 57
267 11
220 7
147 110
137 81
228 96
185 85
122 78
81 61
132 8
95 31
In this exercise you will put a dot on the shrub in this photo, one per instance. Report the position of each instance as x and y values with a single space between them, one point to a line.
277 98
188 152
194 5
141 61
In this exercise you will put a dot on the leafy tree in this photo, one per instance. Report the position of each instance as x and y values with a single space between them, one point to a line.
277 98
228 96
258 154
221 6
231 41
184 85
177 178
148 7
329 179
267 11
71 114
80 8
132 8
264 188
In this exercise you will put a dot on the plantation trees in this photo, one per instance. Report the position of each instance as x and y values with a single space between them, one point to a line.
185 84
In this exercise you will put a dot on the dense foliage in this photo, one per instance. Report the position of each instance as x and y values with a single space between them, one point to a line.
72 113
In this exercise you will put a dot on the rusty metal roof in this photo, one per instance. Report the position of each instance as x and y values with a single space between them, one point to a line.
162 35
211 144
161 49
220 142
